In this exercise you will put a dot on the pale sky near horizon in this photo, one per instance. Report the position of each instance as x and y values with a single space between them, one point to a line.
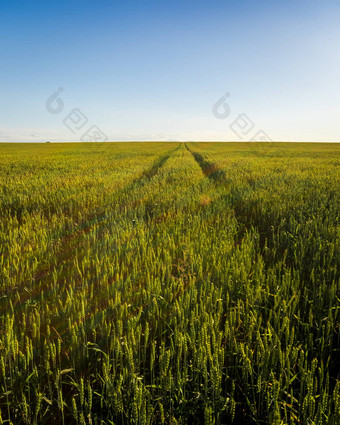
154 70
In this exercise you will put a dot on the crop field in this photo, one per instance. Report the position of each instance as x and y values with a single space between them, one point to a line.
170 283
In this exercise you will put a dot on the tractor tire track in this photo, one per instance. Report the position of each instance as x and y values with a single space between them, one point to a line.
159 163
209 169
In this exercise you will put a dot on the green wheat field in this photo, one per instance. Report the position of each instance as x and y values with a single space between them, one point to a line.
169 283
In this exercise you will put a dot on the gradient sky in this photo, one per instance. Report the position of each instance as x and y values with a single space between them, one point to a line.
152 70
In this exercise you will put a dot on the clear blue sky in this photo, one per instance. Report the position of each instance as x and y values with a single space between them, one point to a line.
152 70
